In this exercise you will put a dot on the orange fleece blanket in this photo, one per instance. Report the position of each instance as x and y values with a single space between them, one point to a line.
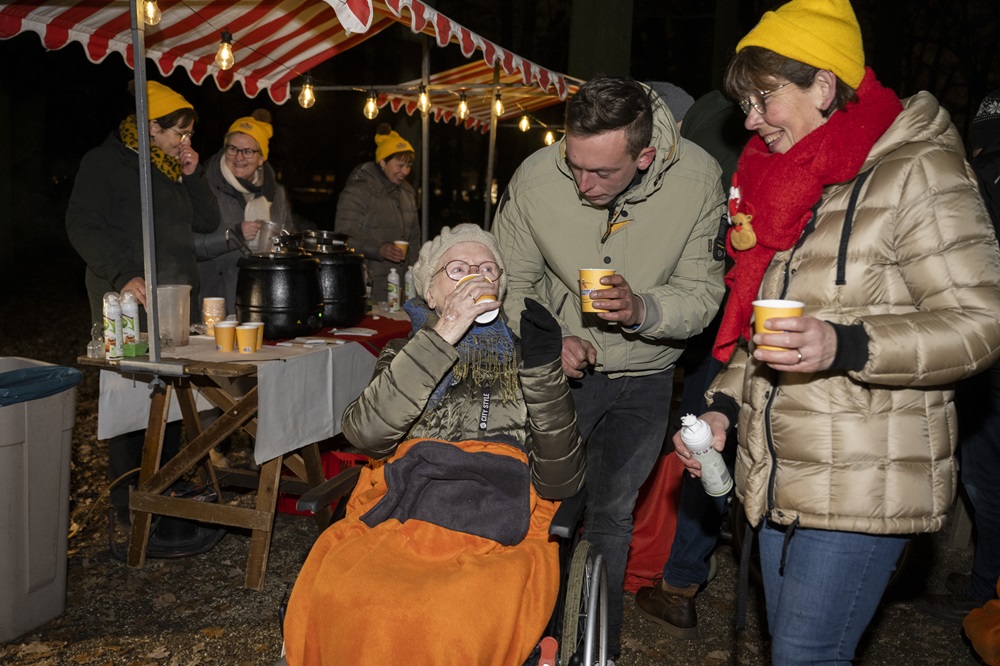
409 591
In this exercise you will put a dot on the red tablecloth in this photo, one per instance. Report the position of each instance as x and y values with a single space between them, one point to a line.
388 329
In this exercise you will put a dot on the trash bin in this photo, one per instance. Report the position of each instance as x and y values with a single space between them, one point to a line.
37 412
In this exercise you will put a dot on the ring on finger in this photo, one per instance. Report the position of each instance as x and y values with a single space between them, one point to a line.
800 356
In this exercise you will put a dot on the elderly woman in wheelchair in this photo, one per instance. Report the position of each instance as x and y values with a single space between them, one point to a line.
444 556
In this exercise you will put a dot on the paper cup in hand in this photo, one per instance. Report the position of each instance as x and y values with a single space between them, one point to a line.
402 245
225 335
773 309
486 317
590 280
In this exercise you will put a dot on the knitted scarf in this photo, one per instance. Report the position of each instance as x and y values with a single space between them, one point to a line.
128 134
779 191
485 354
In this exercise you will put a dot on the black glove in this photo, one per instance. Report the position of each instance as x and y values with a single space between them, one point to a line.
541 337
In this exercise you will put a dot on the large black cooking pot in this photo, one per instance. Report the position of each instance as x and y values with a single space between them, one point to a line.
341 283
282 290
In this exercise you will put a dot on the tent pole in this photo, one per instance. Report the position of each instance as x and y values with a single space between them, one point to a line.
488 190
145 181
425 138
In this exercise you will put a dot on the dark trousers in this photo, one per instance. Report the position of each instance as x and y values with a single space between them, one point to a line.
125 453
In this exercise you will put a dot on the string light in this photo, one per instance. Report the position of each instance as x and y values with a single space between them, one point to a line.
463 107
524 124
150 12
498 105
371 107
224 57
550 138
423 102
306 96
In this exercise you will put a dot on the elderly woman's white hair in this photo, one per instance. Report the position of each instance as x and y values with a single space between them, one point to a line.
430 254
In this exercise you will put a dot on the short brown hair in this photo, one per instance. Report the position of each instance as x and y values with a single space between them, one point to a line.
608 104
756 68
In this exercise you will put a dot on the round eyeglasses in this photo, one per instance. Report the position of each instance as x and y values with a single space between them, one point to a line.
247 153
185 136
457 269
759 103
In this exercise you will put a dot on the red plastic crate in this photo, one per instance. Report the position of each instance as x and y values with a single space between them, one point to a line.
334 462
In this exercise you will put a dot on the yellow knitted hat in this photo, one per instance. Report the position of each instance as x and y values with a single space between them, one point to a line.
258 129
163 101
390 144
822 33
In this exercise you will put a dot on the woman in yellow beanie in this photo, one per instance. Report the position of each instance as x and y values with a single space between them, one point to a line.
378 206
248 193
861 207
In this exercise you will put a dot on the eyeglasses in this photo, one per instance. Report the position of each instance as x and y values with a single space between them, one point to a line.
457 269
247 153
185 136
759 104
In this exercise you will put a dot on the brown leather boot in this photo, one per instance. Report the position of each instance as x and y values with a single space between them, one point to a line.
670 607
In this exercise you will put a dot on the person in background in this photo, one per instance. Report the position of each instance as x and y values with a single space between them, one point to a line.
716 124
425 582
977 401
620 191
378 206
863 208
104 224
248 194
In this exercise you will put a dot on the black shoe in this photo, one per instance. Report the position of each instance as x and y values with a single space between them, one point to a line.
951 607
958 583
670 607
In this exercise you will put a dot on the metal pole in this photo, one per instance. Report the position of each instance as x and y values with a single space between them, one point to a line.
425 139
145 181
488 190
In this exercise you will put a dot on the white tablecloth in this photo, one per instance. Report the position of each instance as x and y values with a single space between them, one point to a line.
302 392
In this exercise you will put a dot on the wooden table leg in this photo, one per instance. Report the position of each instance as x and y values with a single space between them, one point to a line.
151 449
192 424
260 540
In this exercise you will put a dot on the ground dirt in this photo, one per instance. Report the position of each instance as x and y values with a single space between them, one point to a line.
196 611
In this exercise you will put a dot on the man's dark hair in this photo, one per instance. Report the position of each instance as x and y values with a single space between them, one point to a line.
607 104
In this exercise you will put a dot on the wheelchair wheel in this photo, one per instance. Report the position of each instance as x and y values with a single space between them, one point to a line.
585 619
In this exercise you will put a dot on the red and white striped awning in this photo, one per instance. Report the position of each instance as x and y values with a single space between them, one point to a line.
274 41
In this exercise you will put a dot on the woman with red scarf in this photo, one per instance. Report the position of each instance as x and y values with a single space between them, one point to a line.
863 207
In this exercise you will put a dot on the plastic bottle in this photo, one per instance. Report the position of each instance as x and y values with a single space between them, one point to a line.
411 289
130 318
393 298
112 326
697 437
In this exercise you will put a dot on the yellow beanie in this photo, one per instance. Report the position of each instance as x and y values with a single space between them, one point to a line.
163 101
390 144
822 33
258 129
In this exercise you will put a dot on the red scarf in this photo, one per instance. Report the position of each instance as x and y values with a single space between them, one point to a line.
779 190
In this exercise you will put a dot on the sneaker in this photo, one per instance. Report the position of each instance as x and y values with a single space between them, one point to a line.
958 583
670 607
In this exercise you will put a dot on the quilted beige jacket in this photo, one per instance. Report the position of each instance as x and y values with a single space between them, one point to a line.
872 450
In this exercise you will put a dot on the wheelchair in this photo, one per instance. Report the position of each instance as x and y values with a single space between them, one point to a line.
576 634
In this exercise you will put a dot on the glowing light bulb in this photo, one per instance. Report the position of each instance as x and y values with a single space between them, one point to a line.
150 12
498 105
524 125
423 102
463 108
224 57
371 107
306 96
550 138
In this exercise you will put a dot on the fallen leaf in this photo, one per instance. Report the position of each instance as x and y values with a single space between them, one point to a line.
213 632
35 648
161 652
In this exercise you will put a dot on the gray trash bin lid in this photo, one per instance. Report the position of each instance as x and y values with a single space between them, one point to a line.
34 383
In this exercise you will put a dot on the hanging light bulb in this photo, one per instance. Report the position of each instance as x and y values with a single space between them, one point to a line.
306 96
550 138
150 12
423 101
463 107
498 105
524 125
371 107
224 57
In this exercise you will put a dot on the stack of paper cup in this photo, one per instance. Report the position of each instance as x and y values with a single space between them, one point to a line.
213 310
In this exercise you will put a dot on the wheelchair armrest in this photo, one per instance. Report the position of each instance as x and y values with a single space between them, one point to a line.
329 491
568 515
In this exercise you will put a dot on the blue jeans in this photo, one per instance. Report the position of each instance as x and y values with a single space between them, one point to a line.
820 605
978 405
624 423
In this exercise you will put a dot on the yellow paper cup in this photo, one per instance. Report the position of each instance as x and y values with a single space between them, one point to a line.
486 317
225 335
590 280
402 245
774 308
260 333
246 338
